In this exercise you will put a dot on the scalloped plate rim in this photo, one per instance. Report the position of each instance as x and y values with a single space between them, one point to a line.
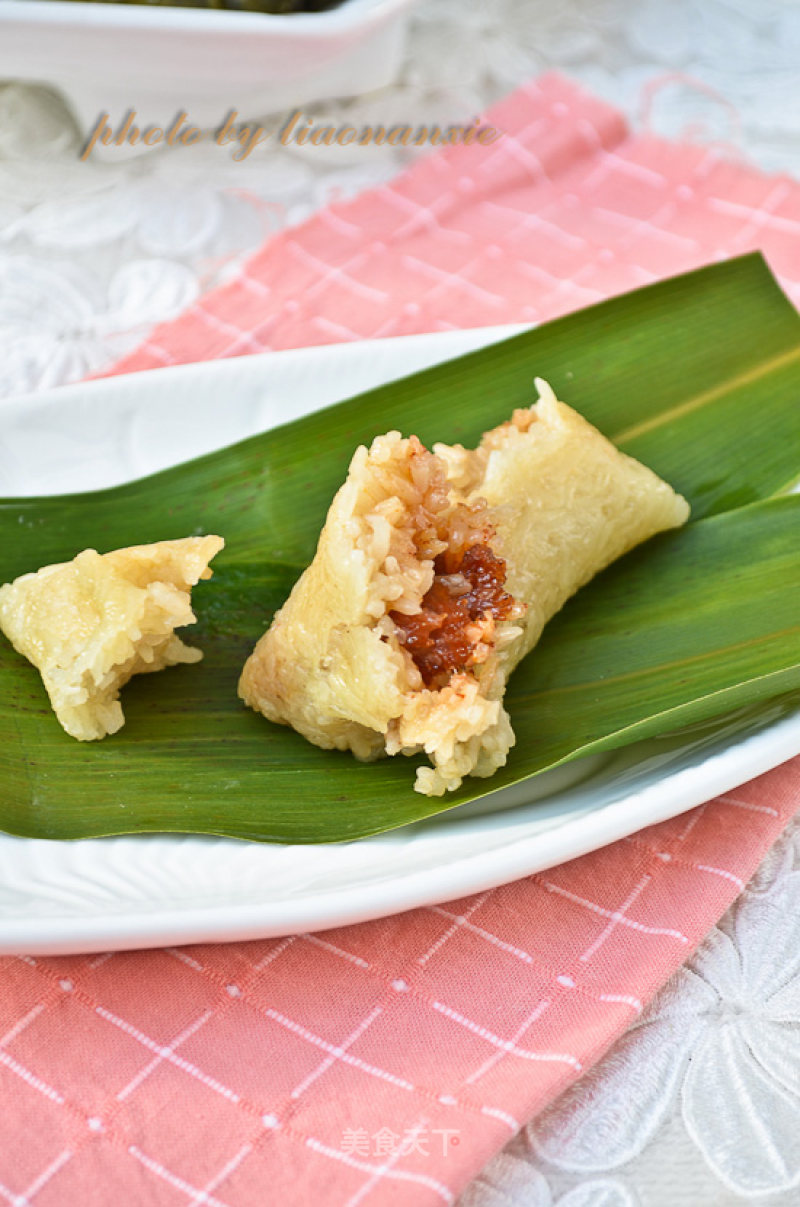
527 837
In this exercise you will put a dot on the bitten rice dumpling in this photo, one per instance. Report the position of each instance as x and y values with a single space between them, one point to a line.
435 573
92 623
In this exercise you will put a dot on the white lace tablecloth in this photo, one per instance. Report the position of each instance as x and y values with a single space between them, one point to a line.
700 1102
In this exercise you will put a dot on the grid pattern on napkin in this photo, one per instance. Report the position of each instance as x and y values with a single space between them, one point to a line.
386 1062
563 210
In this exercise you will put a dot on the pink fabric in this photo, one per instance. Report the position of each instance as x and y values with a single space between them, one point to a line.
386 1062
563 210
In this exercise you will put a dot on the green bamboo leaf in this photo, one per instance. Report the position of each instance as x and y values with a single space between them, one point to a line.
698 376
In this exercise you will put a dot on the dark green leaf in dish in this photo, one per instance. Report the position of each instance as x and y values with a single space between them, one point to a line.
275 7
698 376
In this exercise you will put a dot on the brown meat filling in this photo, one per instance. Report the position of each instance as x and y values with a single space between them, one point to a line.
442 637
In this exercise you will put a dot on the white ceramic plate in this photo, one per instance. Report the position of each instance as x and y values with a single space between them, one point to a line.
151 890
206 62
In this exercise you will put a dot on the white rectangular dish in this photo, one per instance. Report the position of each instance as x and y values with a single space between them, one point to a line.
109 58
160 889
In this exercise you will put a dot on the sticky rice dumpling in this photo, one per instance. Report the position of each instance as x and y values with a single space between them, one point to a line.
436 572
92 623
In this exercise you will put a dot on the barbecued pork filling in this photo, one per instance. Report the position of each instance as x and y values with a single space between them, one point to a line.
454 629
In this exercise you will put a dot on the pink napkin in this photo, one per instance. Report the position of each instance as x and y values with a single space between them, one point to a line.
563 210
386 1062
